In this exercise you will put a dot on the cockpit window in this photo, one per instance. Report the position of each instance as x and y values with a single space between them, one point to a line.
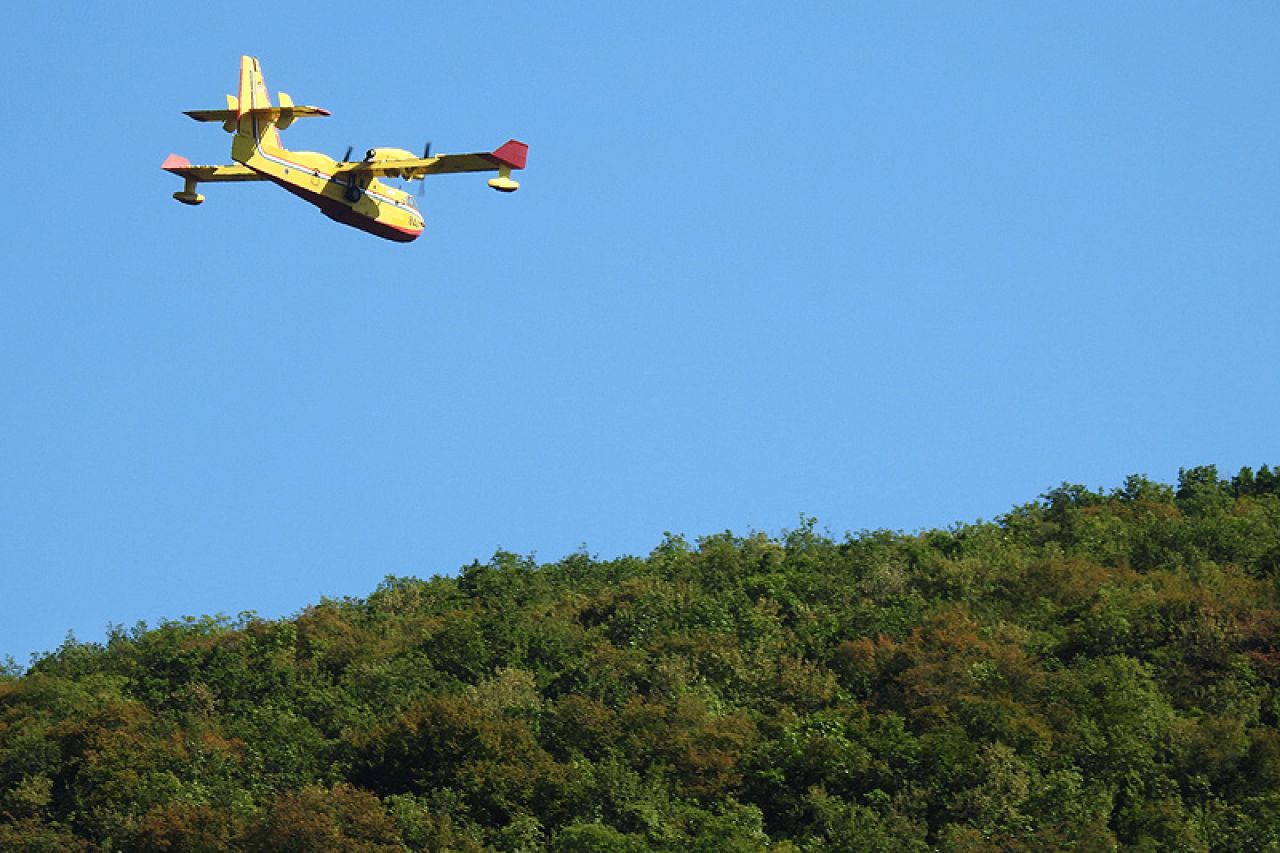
408 199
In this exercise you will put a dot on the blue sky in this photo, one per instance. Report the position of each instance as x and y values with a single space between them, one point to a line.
895 265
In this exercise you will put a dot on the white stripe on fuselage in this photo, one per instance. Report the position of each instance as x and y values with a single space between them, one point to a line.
280 161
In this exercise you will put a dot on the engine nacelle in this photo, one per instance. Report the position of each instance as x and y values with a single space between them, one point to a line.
389 154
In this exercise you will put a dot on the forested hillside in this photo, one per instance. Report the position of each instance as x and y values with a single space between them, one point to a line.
1094 670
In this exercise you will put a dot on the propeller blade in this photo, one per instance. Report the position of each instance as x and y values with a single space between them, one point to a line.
347 157
422 180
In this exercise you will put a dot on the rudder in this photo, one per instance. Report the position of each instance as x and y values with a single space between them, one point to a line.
253 96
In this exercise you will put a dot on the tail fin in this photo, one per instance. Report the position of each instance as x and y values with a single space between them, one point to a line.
249 115
254 126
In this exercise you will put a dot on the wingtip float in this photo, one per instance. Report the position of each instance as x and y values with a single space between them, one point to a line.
348 191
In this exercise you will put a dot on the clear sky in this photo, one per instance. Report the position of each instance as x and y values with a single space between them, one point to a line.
891 265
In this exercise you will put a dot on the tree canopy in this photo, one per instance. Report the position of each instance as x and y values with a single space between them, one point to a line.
1094 670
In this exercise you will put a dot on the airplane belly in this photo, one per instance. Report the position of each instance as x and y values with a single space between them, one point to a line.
378 225
367 214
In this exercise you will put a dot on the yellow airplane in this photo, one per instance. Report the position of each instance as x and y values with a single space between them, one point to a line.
347 191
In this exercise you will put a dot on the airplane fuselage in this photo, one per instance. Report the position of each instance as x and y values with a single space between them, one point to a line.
361 202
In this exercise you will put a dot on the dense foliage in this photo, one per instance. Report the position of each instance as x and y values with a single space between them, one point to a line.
1093 670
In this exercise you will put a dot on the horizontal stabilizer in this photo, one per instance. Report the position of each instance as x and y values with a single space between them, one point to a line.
281 114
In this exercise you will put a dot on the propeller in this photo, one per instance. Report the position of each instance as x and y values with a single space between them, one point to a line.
422 181
352 191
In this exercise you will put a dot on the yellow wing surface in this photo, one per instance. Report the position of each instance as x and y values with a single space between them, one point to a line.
512 155
178 165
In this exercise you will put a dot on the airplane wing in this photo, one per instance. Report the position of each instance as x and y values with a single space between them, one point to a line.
179 165
512 155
